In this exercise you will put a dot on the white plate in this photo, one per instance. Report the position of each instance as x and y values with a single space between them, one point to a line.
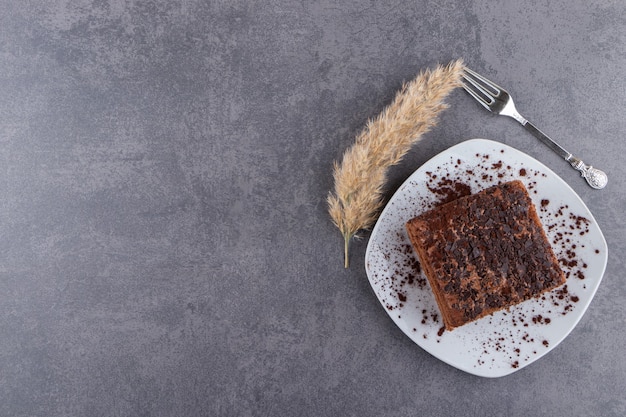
506 341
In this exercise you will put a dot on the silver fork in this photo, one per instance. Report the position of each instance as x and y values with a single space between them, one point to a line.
497 100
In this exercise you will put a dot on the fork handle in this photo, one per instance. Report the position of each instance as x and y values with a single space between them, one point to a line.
545 139
595 178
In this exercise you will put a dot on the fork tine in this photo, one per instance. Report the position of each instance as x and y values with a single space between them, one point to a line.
482 89
477 86
484 80
485 91
480 99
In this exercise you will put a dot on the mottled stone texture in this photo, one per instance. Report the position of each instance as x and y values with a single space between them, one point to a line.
164 243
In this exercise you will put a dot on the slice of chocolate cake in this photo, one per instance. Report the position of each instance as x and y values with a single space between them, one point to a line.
484 252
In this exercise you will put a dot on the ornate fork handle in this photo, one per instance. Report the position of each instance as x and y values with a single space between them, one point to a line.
595 178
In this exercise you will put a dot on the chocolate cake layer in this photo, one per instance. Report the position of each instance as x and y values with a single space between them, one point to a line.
484 252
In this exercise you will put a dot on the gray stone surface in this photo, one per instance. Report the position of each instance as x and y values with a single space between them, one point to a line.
164 243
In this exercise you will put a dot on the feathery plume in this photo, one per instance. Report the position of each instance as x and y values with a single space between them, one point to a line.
359 180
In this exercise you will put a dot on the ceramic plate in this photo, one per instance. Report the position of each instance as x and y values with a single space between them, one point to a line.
509 340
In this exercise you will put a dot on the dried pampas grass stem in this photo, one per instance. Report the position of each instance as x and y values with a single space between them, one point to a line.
358 195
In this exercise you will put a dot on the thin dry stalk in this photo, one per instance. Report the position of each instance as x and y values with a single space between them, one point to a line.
359 180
